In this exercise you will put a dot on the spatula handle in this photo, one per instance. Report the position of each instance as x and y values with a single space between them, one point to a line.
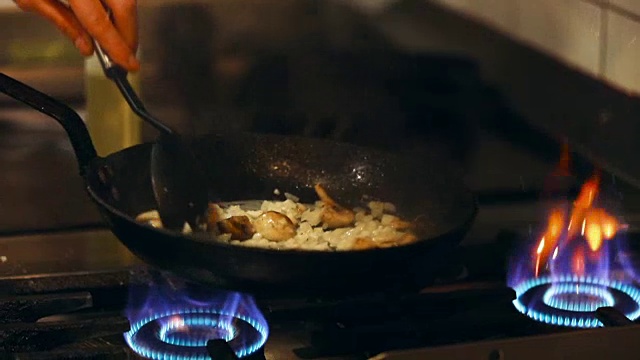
119 76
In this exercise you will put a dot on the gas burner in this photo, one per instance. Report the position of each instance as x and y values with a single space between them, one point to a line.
183 334
571 300
578 297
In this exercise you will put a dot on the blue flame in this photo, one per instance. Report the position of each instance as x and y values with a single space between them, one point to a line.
578 297
575 281
169 332
531 294
200 319
170 320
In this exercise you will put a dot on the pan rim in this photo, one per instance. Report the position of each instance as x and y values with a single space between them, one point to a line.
467 220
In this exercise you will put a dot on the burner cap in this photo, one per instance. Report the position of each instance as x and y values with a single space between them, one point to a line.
571 300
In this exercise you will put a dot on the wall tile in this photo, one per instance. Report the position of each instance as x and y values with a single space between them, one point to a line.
623 52
568 29
630 5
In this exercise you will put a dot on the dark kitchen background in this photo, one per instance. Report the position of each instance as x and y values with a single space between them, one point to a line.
488 84
501 86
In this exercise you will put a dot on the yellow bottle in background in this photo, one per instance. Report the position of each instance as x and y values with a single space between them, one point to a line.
111 123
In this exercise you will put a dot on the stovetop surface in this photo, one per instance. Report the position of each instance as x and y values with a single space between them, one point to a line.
319 328
466 302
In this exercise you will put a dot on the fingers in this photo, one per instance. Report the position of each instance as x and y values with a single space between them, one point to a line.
125 16
63 19
94 18
88 19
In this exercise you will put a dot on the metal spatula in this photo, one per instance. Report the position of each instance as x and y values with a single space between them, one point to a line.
178 180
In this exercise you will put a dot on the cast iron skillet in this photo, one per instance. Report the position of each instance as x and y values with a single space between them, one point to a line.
250 167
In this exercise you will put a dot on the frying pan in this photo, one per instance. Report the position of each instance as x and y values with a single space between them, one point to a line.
245 166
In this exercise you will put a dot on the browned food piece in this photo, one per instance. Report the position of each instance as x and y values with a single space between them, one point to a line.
403 239
400 224
407 238
364 244
275 226
239 227
333 215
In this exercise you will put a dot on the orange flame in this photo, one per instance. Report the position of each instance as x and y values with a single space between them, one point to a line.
563 165
588 192
549 241
594 224
578 263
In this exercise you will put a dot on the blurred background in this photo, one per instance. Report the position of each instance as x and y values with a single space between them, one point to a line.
459 76
324 68
314 68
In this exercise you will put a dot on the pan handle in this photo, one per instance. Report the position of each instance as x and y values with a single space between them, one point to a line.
69 119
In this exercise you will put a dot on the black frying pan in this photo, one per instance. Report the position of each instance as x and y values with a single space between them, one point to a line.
250 167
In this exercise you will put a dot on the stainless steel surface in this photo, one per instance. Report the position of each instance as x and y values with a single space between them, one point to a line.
611 343
104 59
284 339
65 252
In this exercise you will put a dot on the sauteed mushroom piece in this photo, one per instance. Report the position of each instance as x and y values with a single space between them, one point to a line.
275 226
333 215
239 227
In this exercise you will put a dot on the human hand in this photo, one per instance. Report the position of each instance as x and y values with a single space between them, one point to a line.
83 20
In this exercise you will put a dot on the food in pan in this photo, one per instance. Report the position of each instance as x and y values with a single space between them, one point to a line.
289 224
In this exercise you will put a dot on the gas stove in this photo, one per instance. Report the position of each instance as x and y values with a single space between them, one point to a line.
464 311
69 289
67 294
